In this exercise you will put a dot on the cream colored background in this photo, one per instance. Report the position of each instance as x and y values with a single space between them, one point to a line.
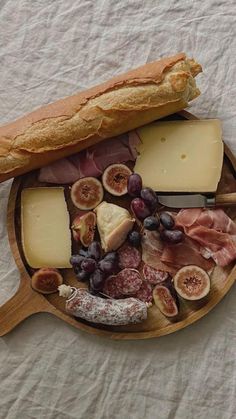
52 48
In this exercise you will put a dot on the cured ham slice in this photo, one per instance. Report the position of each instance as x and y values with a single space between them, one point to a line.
113 150
186 253
171 257
92 161
134 141
213 230
85 163
62 171
227 182
214 219
152 250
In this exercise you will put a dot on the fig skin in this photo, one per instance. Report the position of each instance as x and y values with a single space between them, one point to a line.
46 280
166 299
83 228
192 283
86 193
115 179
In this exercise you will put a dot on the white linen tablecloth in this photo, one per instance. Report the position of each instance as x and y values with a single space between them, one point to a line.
53 48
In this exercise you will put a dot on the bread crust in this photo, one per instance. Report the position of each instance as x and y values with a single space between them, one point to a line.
123 103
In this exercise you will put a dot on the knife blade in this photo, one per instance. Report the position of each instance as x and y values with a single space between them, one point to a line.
187 201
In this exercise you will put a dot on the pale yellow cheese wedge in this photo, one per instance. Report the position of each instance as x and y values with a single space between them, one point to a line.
45 228
181 156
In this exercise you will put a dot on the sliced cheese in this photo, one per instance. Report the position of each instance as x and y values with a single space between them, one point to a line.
45 228
114 223
181 156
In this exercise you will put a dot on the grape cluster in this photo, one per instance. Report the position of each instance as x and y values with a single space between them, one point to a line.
144 205
144 201
91 265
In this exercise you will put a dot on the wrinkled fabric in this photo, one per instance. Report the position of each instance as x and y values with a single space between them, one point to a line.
50 49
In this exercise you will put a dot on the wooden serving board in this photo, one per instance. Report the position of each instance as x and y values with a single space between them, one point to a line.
26 301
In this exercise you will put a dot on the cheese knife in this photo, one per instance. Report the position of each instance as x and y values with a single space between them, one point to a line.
197 200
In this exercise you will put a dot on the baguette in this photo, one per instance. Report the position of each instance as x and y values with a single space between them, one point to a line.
121 104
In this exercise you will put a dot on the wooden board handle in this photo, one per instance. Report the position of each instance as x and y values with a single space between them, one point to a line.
22 305
226 199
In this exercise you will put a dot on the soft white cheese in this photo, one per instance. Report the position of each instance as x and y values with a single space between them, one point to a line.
114 223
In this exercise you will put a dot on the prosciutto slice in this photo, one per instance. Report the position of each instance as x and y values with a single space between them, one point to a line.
152 250
227 182
61 171
213 230
186 253
92 161
171 257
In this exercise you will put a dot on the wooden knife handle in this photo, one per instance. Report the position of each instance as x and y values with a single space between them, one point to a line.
226 199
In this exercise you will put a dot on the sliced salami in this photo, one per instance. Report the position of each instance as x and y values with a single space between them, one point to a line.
154 276
111 287
129 281
144 293
129 257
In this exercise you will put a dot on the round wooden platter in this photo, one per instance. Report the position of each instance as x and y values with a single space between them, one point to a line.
26 301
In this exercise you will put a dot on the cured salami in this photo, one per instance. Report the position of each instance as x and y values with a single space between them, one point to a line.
154 276
111 288
128 281
105 311
144 293
129 257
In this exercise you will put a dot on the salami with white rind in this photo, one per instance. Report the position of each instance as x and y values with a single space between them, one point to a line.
105 311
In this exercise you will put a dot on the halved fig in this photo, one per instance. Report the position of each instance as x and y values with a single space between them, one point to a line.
87 193
83 228
166 300
115 179
192 283
46 280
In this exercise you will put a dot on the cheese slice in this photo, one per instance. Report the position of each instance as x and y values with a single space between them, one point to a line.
181 156
45 228
114 223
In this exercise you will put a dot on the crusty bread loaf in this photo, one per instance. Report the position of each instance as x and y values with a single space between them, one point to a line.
123 103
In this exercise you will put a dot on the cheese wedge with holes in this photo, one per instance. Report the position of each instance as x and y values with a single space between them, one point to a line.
45 228
181 156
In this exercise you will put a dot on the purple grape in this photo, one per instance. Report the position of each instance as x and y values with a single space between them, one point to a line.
83 253
150 198
95 250
151 223
134 185
88 265
82 275
172 236
96 281
91 290
76 260
167 220
111 256
134 238
107 266
76 269
139 208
